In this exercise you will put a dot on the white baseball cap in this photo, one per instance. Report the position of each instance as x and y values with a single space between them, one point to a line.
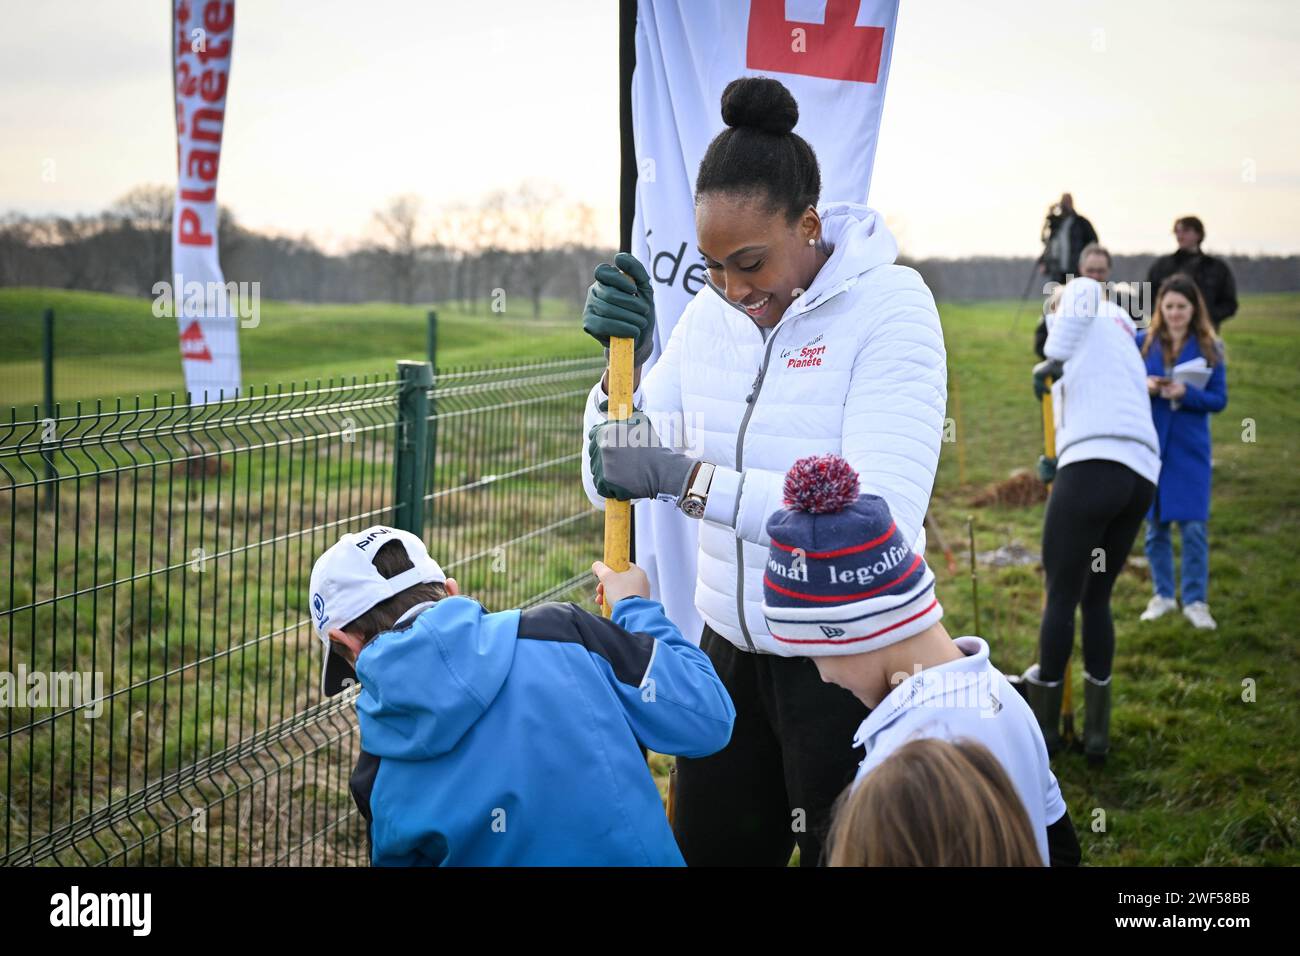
346 584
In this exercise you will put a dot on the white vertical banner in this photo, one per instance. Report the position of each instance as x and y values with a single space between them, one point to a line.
833 56
203 34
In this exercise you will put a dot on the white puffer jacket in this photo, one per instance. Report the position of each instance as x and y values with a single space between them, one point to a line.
856 367
1099 403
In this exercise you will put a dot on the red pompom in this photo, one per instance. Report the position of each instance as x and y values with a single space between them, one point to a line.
820 483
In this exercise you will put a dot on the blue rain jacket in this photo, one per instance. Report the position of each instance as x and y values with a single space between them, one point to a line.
512 738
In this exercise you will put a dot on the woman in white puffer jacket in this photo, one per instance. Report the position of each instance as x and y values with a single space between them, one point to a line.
808 340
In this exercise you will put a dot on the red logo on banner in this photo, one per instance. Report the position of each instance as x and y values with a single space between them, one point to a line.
835 49
193 346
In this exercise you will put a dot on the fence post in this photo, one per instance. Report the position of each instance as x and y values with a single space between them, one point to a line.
47 361
411 457
432 339
431 472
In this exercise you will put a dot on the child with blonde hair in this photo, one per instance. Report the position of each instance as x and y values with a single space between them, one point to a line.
934 803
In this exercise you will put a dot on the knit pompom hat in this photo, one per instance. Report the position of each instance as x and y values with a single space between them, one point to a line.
840 577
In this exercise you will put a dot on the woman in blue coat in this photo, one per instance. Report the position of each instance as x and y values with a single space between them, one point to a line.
1181 340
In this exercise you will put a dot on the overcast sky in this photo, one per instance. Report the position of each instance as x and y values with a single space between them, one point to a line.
1145 111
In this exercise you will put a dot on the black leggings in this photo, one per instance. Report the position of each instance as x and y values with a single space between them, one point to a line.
1096 504
791 754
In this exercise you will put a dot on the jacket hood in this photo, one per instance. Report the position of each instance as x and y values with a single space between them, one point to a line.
425 686
859 240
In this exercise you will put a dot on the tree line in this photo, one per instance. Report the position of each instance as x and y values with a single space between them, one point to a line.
528 241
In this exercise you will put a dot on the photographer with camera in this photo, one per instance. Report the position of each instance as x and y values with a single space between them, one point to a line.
1065 233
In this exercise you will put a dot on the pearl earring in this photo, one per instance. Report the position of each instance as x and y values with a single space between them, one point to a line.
812 242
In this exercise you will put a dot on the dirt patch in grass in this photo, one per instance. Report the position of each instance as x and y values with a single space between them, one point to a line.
1020 489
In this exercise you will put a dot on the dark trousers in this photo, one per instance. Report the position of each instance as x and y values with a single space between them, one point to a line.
791 755
1094 505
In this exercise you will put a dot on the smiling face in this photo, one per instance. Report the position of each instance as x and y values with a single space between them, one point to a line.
1176 312
755 256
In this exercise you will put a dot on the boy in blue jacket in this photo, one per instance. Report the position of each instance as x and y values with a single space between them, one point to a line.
511 738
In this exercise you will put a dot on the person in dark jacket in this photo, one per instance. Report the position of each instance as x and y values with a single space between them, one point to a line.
1187 380
1211 274
1065 233
511 738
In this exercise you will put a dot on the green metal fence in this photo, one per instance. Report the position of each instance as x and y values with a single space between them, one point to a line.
159 694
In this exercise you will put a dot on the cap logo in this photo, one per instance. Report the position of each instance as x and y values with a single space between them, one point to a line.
832 631
366 541
318 605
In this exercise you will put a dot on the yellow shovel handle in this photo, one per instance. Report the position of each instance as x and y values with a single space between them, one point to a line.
618 514
1049 422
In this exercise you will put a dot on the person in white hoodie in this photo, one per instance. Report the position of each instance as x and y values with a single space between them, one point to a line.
1105 472
808 339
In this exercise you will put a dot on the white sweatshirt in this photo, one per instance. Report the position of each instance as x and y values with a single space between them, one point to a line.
1100 404
969 699
856 367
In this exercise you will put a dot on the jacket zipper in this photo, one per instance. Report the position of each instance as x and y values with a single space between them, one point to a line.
751 401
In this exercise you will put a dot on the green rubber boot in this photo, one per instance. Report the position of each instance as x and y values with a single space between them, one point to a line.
1045 702
1096 719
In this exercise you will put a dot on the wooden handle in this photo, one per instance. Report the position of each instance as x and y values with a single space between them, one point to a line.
1049 422
618 514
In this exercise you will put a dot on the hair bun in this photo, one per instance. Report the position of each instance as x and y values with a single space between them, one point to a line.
759 102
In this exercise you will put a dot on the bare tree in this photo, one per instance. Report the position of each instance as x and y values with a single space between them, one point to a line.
147 207
16 259
400 221
143 220
579 261
455 232
541 227
492 231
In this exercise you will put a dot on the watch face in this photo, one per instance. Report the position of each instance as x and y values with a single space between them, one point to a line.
693 507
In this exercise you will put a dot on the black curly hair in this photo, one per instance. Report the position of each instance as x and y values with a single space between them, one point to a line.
759 154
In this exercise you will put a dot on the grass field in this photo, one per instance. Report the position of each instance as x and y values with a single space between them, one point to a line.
1197 775
113 346
1203 769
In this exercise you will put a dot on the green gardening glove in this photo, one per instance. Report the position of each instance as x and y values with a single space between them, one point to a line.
622 307
1048 368
1046 469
